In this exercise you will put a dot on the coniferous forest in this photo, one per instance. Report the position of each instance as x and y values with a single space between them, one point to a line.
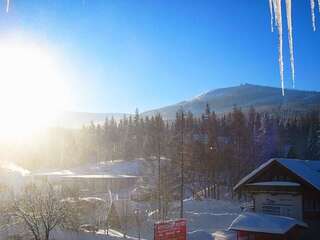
216 149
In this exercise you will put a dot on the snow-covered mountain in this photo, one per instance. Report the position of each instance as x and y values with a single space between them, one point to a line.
220 100
261 97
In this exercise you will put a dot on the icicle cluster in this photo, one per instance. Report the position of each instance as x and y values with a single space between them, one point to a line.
313 6
8 5
275 7
276 18
289 23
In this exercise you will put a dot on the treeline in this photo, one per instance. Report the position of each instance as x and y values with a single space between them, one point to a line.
214 148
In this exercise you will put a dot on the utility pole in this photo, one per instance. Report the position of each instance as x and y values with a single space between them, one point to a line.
182 163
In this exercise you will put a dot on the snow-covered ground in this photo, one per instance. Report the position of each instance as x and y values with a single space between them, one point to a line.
101 235
203 218
210 215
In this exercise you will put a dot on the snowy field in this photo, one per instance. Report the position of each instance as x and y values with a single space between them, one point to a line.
203 218
210 215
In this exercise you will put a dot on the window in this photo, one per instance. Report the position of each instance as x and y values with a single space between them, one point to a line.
311 205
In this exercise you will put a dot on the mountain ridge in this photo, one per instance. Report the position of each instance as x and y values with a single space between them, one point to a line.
220 100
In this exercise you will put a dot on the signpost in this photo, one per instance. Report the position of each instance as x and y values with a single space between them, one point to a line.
171 230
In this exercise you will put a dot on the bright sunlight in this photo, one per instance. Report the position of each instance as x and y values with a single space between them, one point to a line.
32 90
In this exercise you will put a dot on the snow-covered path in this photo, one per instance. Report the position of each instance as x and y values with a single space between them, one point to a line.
210 215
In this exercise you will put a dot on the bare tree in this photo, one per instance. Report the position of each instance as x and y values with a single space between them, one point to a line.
40 209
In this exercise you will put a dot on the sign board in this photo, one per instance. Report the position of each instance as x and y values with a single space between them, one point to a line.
171 230
279 204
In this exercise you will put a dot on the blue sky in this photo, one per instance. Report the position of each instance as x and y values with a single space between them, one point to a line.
147 54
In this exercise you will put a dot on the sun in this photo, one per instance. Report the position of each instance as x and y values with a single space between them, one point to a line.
32 89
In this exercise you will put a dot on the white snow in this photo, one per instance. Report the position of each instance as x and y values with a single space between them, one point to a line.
93 199
13 176
54 173
303 170
225 235
315 165
210 215
13 168
134 167
203 218
199 235
98 176
265 223
275 183
100 235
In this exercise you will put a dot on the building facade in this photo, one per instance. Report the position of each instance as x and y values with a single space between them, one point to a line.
286 187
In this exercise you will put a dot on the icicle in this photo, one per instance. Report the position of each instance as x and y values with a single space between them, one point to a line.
313 15
289 22
319 5
278 17
271 13
8 5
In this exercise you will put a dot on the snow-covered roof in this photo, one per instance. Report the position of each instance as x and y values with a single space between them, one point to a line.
133 167
225 234
275 183
304 169
99 176
265 223
199 235
54 173
309 170
84 199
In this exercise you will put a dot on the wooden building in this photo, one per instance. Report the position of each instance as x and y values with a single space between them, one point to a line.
286 187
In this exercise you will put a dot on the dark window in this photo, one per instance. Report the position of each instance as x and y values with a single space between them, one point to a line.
311 205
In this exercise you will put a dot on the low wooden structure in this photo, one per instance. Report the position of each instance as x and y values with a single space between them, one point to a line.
253 226
286 187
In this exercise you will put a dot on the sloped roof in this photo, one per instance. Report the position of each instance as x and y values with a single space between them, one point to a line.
264 223
99 176
308 170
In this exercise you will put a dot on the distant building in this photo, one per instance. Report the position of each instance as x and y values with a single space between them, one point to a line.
115 178
286 187
96 184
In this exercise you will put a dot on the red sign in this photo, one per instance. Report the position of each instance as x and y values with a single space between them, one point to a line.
171 230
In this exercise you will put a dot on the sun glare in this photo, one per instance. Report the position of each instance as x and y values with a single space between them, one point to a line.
32 90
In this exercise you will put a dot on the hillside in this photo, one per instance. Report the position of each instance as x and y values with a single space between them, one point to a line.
221 100
244 96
